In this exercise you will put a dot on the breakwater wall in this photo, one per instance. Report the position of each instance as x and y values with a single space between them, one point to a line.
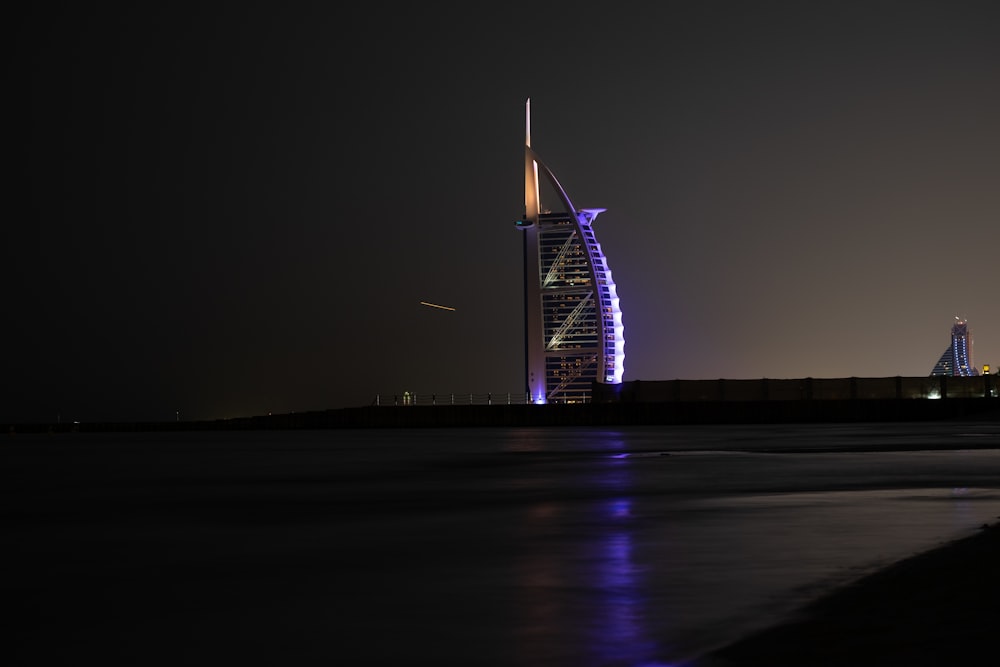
763 401
799 389
640 413
583 415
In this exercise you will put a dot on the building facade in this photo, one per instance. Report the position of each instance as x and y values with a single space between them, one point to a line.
957 359
574 334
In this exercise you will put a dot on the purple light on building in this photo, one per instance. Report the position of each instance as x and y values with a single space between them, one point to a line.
574 334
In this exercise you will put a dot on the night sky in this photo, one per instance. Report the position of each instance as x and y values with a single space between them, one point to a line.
228 210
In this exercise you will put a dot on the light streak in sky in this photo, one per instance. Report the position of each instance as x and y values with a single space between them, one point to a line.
434 305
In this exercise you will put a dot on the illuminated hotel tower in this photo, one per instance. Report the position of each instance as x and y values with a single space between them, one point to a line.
573 326
957 359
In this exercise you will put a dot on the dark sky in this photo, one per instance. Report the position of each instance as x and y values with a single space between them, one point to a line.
229 210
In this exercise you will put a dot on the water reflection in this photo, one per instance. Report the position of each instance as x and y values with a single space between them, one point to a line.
584 594
961 507
621 609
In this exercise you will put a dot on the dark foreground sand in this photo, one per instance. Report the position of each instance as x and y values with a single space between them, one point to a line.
938 608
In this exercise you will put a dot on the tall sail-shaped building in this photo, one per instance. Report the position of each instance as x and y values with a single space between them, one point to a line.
573 326
957 359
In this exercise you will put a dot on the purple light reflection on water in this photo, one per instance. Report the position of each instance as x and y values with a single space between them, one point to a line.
621 635
623 638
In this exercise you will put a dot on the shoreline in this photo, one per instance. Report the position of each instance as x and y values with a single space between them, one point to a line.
937 607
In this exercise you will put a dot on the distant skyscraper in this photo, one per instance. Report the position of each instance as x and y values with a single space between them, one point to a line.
573 326
957 359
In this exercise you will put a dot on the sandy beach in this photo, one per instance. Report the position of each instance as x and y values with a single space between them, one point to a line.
937 608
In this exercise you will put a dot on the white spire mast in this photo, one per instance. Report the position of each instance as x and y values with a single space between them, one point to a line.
531 196
527 122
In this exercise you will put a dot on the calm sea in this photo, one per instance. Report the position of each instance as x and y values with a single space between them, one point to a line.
551 546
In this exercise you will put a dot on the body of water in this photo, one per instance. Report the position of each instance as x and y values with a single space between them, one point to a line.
551 546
